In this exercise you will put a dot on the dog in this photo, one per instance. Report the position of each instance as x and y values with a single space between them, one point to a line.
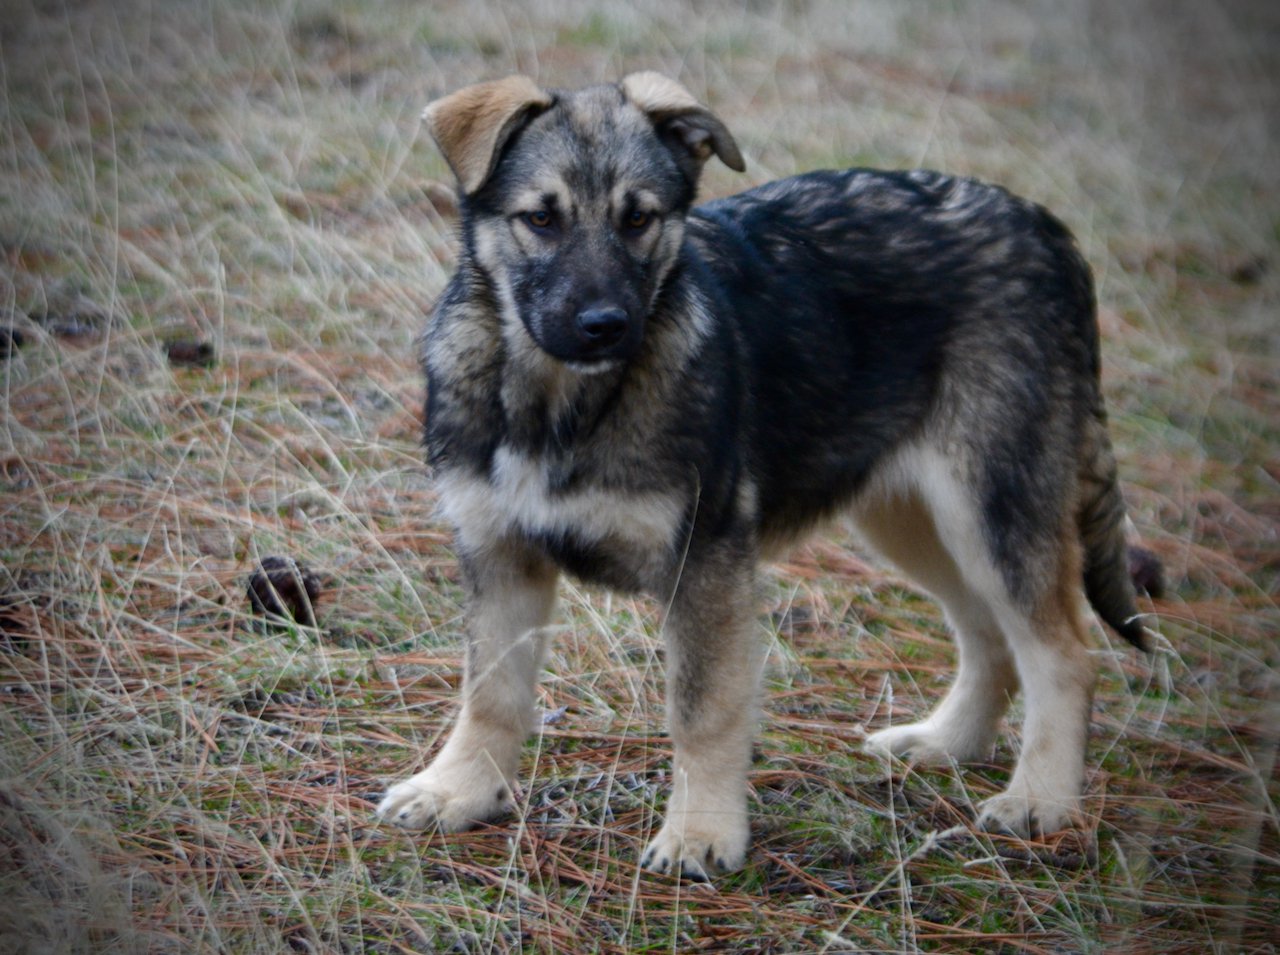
655 396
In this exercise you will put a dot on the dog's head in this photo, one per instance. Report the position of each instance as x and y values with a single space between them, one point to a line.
573 203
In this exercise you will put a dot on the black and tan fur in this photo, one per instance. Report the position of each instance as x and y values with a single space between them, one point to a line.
656 396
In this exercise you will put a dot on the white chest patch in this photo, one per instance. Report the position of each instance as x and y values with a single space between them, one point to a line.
518 497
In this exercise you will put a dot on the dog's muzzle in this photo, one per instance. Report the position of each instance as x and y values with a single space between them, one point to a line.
600 329
600 334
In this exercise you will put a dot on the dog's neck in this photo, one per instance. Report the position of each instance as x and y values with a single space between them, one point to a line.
545 402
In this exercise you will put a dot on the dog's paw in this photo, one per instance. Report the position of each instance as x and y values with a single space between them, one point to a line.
913 742
450 801
689 849
926 743
1026 816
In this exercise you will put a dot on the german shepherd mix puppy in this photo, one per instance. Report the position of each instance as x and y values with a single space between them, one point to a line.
655 396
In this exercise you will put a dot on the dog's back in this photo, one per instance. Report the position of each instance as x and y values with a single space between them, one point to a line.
860 295
872 319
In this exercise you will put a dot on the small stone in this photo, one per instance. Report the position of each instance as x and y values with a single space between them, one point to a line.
1250 272
187 351
283 588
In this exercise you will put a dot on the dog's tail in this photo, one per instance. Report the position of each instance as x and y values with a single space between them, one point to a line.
1108 582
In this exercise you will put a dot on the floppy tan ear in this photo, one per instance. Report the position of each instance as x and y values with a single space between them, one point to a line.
674 108
471 125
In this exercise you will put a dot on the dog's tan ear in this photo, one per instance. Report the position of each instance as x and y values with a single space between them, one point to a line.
674 109
472 125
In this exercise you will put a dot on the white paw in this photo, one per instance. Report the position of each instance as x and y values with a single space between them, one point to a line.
689 847
926 743
451 799
1027 816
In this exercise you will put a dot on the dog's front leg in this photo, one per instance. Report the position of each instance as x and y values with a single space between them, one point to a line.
512 596
713 674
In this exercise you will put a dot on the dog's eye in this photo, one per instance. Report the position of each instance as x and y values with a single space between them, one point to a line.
539 220
637 220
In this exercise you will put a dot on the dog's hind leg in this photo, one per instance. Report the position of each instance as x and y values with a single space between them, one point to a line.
963 727
512 597
714 657
1050 647
1035 607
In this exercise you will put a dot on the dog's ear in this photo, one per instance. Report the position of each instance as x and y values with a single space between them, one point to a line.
472 125
676 114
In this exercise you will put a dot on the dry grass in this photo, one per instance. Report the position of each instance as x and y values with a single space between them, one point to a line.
249 177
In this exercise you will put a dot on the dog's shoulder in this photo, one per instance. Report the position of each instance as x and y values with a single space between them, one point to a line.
462 358
463 332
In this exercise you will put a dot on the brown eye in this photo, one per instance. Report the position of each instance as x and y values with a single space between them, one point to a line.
637 220
538 220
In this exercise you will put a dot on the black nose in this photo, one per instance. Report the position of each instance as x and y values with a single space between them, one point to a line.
602 327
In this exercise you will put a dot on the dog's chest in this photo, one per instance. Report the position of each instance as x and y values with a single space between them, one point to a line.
532 497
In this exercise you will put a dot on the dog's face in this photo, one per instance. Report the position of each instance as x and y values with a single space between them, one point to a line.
574 203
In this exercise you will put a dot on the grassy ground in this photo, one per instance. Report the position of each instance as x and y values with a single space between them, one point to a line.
220 228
